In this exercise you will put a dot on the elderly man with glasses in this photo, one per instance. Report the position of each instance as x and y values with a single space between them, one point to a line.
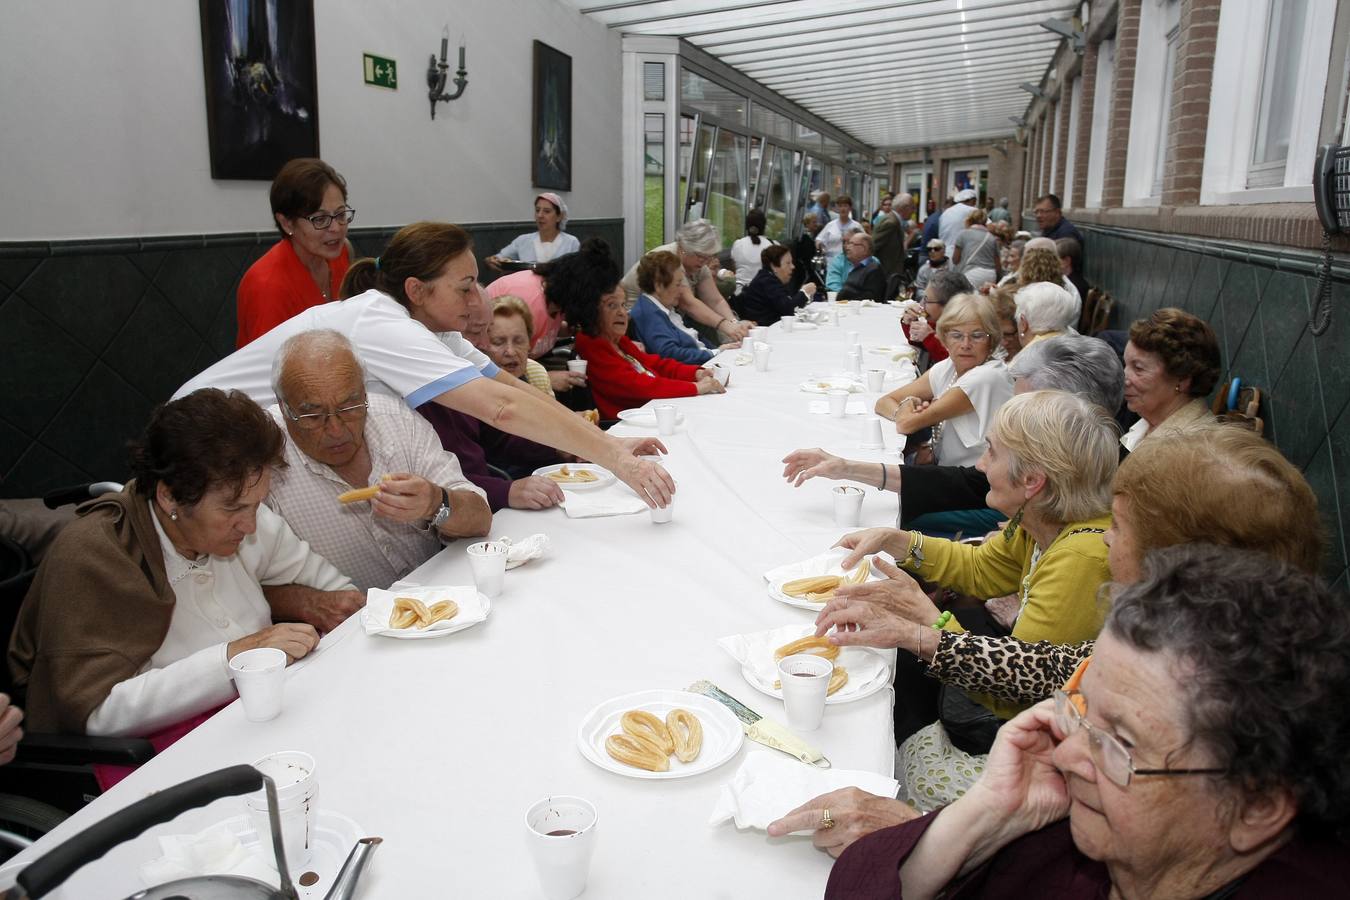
863 277
339 438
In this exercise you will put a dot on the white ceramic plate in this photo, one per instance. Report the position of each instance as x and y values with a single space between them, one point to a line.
776 591
849 658
722 734
603 476
644 418
422 634
117 874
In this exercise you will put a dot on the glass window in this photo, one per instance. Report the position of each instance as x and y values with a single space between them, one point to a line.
653 81
758 168
726 191
1165 105
703 154
812 181
688 132
807 136
778 204
710 97
653 179
772 123
1279 83
832 149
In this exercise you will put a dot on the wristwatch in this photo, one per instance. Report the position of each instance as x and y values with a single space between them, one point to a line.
443 513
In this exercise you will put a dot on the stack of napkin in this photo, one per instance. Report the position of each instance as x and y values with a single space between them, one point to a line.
767 786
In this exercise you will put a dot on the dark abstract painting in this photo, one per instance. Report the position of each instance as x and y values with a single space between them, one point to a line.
261 86
552 131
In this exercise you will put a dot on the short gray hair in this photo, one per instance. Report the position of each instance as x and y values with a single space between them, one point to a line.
1075 363
944 285
902 199
1003 202
1043 242
699 236
862 236
1046 307
323 341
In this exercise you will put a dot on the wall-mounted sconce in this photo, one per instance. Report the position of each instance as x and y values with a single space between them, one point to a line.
1033 90
1068 29
438 72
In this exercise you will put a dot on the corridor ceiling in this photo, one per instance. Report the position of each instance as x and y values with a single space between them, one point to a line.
894 74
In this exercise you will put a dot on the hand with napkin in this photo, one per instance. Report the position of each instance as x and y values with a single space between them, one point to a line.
853 813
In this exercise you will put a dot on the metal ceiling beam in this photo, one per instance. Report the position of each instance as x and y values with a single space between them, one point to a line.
894 84
761 53
883 108
1025 36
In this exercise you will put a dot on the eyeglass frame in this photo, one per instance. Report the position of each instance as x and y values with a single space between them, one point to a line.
1099 741
347 213
300 419
957 337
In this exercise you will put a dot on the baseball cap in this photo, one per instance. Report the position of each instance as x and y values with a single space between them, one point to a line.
936 244
967 194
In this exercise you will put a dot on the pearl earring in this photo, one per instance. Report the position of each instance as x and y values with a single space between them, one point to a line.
173 514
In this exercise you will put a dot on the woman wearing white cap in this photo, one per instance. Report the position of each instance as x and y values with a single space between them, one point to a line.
547 242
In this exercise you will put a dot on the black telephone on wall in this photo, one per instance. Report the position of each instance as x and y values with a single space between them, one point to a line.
1331 187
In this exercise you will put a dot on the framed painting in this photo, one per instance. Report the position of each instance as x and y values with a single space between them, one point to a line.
552 126
262 89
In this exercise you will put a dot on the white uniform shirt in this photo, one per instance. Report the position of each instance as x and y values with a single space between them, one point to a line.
217 600
952 223
746 254
987 386
372 551
401 355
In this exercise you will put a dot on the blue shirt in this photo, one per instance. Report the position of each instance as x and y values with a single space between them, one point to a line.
661 336
839 270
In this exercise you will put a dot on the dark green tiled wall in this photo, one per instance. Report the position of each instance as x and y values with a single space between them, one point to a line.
1258 302
94 334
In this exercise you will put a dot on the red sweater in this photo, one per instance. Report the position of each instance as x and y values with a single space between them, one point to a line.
616 385
277 287
936 352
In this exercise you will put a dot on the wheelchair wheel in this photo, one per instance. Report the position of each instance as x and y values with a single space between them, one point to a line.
24 820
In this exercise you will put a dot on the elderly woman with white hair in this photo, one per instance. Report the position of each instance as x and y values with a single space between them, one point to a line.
1044 310
697 244
958 396
548 240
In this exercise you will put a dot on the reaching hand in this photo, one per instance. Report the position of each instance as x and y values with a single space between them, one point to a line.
534 492
899 594
860 623
800 466
644 446
648 480
709 385
869 541
564 381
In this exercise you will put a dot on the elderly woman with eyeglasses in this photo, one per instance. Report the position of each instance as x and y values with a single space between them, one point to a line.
959 396
141 602
306 267
621 376
1201 754
698 245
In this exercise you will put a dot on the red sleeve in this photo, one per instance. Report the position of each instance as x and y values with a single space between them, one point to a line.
256 310
936 352
661 365
616 385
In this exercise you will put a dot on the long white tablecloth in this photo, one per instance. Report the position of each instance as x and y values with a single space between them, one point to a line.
439 746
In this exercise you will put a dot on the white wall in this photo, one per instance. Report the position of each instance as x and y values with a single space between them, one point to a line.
104 117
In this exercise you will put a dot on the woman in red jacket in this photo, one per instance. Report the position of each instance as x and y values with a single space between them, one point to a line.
586 285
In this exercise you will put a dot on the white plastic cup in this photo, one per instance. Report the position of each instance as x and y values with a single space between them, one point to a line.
852 340
854 360
831 295
871 434
806 681
560 832
762 357
662 515
722 374
666 413
855 307
876 380
788 322
293 771
487 560
848 506
834 314
260 677
577 365
838 398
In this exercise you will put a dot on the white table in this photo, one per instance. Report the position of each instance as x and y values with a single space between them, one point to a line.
439 746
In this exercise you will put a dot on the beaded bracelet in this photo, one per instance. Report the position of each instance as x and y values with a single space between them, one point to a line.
942 620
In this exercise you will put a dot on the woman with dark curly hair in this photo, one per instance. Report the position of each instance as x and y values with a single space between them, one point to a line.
587 287
1171 364
142 601
1202 754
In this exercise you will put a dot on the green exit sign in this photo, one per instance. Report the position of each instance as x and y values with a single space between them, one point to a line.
380 72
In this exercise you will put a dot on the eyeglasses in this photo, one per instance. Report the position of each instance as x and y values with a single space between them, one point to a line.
321 220
1043 210
315 421
957 337
1108 754
612 307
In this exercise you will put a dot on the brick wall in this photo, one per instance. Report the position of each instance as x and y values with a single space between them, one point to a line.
1189 122
1062 150
1084 139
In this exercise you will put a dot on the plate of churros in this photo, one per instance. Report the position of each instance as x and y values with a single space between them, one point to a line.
660 734
577 476
811 583
423 612
858 671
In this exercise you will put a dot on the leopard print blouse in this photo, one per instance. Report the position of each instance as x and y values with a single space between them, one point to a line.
1007 668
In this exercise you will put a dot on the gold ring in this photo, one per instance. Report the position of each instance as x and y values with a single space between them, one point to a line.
826 821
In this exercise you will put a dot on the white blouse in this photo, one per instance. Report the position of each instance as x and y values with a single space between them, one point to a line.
217 600
988 386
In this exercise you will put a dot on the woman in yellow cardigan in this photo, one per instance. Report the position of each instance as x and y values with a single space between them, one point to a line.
1050 461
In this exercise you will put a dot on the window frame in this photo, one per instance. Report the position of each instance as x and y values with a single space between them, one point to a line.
1102 95
1151 104
1235 98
